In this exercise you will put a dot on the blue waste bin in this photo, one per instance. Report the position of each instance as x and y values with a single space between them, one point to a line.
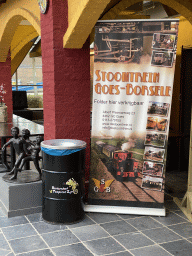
62 180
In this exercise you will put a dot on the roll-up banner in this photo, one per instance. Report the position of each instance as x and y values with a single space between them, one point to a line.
134 63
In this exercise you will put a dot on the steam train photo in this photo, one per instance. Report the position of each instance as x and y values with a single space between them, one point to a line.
118 50
124 41
124 165
119 162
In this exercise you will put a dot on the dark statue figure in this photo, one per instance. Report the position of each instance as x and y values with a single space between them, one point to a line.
25 149
34 155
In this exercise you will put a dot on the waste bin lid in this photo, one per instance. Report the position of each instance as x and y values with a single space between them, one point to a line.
63 144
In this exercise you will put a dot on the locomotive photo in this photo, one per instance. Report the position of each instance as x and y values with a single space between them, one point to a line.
155 139
153 169
119 162
158 108
155 154
157 124
124 165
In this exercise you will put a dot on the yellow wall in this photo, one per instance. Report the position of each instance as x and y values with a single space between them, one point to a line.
185 39
21 44
185 34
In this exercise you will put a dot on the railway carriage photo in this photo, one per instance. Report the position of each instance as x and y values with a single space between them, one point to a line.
153 183
159 57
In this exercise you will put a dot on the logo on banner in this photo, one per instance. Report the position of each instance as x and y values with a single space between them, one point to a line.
102 185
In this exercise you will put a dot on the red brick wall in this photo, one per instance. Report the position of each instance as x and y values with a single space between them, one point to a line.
5 79
66 79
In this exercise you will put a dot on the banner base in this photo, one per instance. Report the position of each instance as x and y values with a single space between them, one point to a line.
125 210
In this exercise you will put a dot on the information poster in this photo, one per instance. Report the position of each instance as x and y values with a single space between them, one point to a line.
134 62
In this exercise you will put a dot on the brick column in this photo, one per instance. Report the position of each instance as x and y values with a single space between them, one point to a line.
5 79
66 79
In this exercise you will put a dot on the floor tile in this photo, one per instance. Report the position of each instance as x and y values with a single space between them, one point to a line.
103 217
44 227
104 246
27 244
144 223
19 231
72 250
125 253
134 240
118 227
5 252
181 214
161 235
128 216
2 213
3 243
153 250
184 229
170 219
6 222
179 248
96 231
190 239
86 221
59 238
10 254
45 252
35 217
90 232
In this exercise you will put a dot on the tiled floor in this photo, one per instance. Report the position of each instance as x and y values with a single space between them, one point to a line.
103 234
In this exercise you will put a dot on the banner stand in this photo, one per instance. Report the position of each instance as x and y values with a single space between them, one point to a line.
125 210
134 65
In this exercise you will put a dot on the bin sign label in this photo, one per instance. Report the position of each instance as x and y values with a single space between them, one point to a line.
70 189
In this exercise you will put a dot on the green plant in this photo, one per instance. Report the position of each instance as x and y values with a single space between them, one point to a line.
35 101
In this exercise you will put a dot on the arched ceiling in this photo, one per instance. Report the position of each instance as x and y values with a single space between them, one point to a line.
83 19
21 44
12 13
